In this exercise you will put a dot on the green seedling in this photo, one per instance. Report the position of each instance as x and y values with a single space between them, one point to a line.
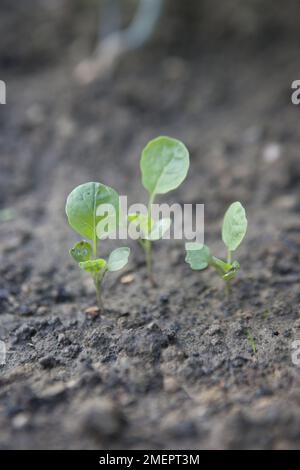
164 166
252 341
234 230
82 211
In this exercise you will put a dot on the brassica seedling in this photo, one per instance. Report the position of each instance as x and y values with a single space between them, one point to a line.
164 165
234 230
82 212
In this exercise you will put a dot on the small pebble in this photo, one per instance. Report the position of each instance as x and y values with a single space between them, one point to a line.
20 421
92 311
101 419
127 279
26 311
48 362
42 310
271 152
171 385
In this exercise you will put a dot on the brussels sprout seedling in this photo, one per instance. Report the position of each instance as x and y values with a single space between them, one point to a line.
82 211
234 230
164 166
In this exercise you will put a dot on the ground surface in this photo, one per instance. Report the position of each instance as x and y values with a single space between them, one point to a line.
172 367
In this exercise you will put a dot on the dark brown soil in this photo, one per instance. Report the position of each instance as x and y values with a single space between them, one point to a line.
171 367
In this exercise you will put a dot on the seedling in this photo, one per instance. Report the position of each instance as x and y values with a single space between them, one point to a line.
82 211
234 230
164 166
252 341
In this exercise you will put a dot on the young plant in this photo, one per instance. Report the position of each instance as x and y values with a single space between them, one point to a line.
82 209
252 341
234 230
164 166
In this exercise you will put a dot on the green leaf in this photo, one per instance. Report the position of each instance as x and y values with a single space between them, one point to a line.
227 271
159 229
143 221
81 251
198 256
82 204
8 214
93 266
221 266
118 259
164 165
233 271
234 226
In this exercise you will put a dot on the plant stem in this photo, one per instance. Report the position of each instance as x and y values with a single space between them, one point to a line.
148 252
95 247
98 286
228 288
228 283
147 245
99 295
151 201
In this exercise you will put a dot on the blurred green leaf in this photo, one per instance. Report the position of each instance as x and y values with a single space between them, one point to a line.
118 259
82 204
81 251
234 226
94 266
7 214
198 256
164 165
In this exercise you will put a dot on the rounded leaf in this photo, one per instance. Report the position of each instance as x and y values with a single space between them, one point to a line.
197 256
118 259
82 203
164 165
234 226
81 251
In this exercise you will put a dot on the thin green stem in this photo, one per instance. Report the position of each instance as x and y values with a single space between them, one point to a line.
228 283
98 286
148 252
228 288
148 245
98 280
151 201
95 247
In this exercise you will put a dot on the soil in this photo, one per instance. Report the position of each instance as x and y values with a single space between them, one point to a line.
176 366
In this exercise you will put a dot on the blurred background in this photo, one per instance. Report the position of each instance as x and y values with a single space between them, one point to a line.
88 83
73 82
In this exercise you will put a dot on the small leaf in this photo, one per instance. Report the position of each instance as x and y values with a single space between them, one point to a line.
233 271
8 214
82 204
234 226
81 251
118 259
221 266
164 165
159 229
198 256
93 266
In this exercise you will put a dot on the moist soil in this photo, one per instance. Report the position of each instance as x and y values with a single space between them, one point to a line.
177 366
